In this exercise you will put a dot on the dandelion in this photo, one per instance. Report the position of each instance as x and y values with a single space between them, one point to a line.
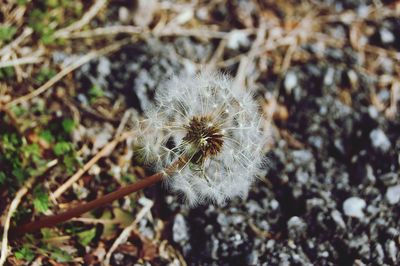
212 129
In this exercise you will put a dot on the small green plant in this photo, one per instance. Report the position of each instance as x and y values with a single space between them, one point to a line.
85 237
68 125
96 91
7 73
6 33
17 157
41 200
2 177
44 246
25 253
49 15
44 75
57 136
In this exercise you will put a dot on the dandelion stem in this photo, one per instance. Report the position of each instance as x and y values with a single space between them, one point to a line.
50 221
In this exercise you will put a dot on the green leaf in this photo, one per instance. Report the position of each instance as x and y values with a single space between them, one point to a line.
31 150
60 255
96 91
52 3
68 125
22 2
87 236
7 33
10 142
18 110
47 233
20 174
25 253
62 148
7 72
41 200
129 178
47 136
45 74
3 177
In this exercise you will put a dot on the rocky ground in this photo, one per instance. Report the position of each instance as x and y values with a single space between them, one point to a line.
326 74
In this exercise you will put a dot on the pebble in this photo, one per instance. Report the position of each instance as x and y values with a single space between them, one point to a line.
329 76
393 194
392 250
270 244
290 81
274 204
237 39
386 36
123 15
353 207
252 258
104 66
302 157
373 112
253 207
302 176
380 254
296 227
337 217
389 179
180 229
379 140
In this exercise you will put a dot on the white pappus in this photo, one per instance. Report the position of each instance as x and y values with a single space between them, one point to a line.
211 129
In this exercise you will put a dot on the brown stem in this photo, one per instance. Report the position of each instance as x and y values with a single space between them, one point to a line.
50 221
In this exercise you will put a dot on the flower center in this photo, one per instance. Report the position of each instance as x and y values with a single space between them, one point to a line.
205 137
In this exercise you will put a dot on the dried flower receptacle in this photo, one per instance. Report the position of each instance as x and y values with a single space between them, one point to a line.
205 137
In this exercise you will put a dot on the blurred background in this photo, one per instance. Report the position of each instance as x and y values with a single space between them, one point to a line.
76 75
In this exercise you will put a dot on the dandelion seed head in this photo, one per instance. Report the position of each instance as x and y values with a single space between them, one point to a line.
213 128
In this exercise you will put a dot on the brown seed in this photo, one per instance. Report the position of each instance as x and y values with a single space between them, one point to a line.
205 137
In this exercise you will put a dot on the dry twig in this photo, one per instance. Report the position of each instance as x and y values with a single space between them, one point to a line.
21 61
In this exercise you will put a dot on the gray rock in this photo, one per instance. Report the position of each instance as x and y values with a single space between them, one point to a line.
253 207
237 39
302 176
379 140
302 157
389 179
296 227
337 217
274 204
361 244
354 206
180 232
379 253
373 112
252 258
104 66
386 36
392 251
222 220
329 76
290 81
393 194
